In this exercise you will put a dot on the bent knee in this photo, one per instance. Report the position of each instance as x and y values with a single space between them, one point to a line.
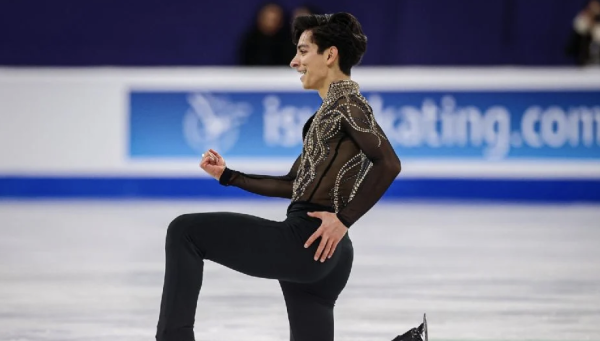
177 229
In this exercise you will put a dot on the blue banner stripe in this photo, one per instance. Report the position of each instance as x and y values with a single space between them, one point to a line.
475 125
526 190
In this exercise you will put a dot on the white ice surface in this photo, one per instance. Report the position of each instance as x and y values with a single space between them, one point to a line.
93 270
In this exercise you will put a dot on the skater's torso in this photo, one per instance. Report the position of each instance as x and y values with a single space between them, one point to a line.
332 166
345 155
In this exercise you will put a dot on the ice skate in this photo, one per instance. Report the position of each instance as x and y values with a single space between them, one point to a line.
415 334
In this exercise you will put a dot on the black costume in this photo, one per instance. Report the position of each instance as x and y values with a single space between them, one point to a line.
345 167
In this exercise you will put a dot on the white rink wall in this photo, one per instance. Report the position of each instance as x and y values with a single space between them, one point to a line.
504 124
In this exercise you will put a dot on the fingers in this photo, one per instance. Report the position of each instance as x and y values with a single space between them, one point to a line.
214 157
314 214
327 244
214 152
204 162
210 157
312 238
320 249
208 165
326 247
327 250
332 250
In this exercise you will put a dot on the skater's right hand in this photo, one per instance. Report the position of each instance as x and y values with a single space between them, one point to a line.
213 163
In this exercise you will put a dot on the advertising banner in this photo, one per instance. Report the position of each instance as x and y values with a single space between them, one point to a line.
452 125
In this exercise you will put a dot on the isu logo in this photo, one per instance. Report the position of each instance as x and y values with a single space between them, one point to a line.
213 122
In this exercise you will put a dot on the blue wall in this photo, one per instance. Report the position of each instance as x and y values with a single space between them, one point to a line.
188 32
483 190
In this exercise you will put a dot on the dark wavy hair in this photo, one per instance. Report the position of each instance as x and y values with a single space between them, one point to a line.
341 30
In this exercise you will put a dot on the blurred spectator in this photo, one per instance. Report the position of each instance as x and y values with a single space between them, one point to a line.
269 41
584 44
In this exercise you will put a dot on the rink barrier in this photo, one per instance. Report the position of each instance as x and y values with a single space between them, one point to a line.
495 190
499 134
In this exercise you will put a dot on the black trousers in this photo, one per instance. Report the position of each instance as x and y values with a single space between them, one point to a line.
257 247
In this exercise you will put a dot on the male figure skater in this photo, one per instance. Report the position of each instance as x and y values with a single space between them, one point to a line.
346 165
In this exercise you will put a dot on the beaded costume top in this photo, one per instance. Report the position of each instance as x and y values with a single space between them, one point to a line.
347 163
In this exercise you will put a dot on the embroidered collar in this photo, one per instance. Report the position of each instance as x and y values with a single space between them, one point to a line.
339 89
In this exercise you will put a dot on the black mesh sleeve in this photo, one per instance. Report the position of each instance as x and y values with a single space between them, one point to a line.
359 123
266 185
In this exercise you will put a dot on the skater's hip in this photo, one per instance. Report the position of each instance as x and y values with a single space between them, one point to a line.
302 207
298 212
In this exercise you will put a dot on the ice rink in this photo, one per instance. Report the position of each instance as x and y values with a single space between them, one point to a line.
93 270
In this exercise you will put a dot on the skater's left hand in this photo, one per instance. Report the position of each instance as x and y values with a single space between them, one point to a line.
331 231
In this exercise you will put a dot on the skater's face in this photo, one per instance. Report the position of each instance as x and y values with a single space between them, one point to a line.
313 66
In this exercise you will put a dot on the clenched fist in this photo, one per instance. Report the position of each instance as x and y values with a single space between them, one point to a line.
213 163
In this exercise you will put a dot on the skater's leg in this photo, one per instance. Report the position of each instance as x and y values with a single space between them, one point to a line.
311 318
182 281
245 243
310 306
